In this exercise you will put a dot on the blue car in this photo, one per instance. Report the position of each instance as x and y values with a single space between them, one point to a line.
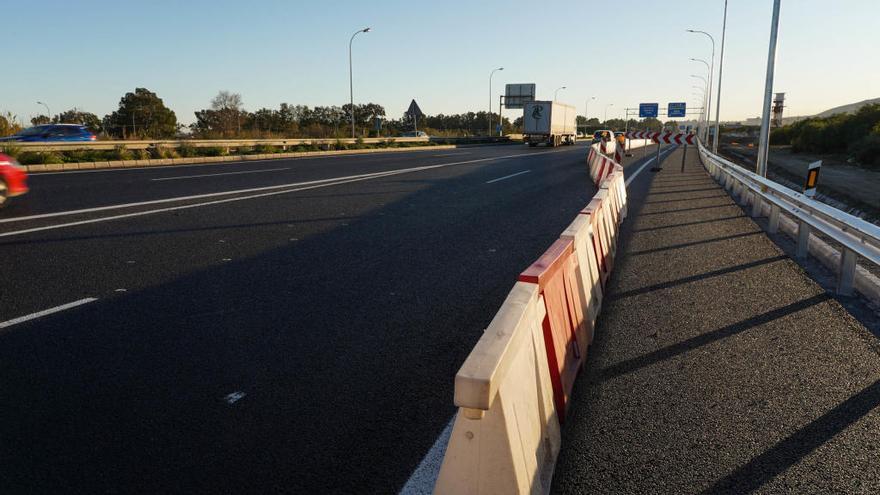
53 132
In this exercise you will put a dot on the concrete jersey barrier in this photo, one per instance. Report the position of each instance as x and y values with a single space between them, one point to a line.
513 387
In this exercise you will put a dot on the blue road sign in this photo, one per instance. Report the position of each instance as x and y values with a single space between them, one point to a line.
648 110
676 110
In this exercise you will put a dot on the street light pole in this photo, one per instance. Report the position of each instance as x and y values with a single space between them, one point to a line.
587 113
763 143
702 96
705 100
48 112
720 68
708 90
490 100
351 77
605 115
557 91
711 71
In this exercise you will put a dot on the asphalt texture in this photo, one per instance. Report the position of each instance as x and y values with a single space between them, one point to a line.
718 365
299 342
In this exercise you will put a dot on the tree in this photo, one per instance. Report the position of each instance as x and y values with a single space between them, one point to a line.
74 116
41 120
228 113
9 124
141 114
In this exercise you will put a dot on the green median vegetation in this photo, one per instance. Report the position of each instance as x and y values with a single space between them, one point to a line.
187 150
856 135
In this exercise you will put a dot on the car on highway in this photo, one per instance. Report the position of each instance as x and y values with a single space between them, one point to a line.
599 135
13 179
412 134
52 132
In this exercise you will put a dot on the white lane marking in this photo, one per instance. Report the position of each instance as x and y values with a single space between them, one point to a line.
222 173
423 478
507 176
171 200
633 176
234 397
320 184
46 312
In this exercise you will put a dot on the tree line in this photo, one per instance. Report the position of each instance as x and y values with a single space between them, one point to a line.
141 114
857 135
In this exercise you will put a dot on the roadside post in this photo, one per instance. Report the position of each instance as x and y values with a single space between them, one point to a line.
812 179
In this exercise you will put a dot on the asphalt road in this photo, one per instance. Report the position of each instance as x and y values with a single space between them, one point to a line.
719 365
253 330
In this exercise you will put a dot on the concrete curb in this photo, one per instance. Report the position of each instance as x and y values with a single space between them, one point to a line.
59 167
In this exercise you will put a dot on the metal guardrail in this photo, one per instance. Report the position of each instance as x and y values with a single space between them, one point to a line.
857 236
233 143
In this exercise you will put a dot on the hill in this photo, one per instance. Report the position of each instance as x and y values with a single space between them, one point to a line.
851 108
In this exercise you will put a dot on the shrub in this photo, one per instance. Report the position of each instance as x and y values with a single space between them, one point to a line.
10 149
212 151
163 152
141 155
265 148
340 145
120 153
84 156
39 157
186 150
359 142
867 151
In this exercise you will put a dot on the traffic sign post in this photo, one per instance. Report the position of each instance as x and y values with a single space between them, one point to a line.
676 110
649 110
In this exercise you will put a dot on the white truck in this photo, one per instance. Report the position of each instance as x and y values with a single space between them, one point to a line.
549 122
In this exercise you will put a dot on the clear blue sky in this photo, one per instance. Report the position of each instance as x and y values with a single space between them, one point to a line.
88 53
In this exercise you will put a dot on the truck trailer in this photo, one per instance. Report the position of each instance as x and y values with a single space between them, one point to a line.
549 122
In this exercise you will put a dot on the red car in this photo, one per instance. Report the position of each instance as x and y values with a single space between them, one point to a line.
13 179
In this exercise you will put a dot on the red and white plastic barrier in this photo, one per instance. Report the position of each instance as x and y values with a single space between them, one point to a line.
512 390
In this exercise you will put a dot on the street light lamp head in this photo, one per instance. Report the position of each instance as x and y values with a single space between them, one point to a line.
365 30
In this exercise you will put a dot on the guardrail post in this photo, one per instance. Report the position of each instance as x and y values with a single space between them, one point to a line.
773 223
847 272
757 205
803 241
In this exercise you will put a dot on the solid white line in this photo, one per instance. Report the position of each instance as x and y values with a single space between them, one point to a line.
508 176
422 480
274 191
46 312
222 173
633 176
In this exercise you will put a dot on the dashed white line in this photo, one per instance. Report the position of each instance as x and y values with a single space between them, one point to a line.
222 173
507 176
422 480
46 312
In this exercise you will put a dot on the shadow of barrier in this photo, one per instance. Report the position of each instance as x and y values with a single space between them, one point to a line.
512 390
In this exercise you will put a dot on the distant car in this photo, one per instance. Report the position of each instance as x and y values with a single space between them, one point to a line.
599 135
53 132
13 179
422 134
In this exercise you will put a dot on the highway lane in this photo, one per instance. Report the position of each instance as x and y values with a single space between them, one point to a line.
300 342
60 191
